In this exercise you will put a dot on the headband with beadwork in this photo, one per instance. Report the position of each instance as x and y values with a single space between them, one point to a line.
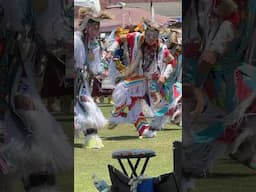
150 26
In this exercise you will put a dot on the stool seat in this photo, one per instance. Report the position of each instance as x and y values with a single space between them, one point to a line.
133 153
137 154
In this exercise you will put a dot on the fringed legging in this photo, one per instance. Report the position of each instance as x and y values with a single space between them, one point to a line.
130 94
135 113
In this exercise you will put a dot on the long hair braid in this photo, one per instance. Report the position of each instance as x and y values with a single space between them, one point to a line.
143 46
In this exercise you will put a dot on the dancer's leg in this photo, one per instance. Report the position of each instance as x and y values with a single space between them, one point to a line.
120 97
140 121
92 140
88 125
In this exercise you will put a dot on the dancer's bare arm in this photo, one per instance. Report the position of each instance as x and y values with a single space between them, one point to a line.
168 60
219 46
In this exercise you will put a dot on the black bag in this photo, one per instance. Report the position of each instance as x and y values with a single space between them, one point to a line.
119 180
166 183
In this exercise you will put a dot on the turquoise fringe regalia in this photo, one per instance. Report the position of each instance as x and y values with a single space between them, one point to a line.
239 79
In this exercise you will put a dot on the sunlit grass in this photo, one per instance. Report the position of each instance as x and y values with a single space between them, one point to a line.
89 162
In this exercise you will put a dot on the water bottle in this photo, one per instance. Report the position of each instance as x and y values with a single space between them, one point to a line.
100 184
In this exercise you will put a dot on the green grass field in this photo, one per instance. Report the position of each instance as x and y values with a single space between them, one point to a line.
89 162
227 176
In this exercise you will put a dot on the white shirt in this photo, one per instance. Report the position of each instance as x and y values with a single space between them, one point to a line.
79 51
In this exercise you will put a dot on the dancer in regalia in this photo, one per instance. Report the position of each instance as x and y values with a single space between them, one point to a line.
149 65
88 117
33 146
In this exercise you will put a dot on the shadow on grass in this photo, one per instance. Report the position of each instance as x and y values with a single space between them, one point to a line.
78 145
230 175
171 129
121 138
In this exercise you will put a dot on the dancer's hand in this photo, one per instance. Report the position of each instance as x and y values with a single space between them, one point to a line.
84 98
105 74
209 58
109 55
161 79
129 72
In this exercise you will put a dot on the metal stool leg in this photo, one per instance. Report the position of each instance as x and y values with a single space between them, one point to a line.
144 166
122 166
132 168
137 163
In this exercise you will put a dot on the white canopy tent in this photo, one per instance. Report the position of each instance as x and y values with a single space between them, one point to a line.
95 4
